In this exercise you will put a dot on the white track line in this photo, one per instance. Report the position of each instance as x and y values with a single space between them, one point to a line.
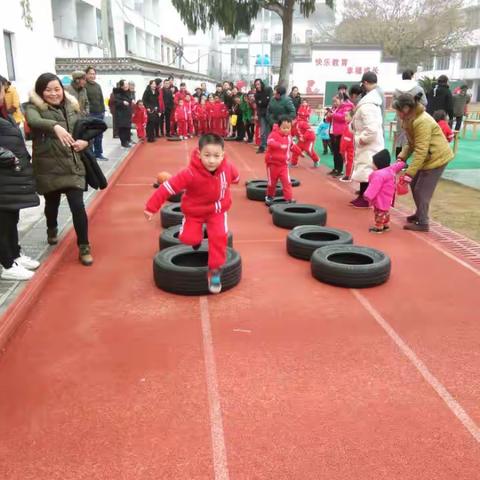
216 424
443 393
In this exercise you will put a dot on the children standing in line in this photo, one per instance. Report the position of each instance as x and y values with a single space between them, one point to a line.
188 107
347 148
381 189
206 200
277 157
323 132
201 114
306 142
181 119
139 118
440 116
217 117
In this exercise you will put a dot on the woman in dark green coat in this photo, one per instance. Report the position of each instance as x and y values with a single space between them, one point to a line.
51 115
280 105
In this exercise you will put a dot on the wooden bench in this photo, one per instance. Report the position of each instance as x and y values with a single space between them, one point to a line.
474 123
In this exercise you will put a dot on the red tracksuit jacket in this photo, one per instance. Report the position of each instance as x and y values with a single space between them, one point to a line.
181 114
180 96
347 149
205 193
279 148
304 131
304 112
447 131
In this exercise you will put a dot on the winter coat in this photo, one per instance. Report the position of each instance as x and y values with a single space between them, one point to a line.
123 113
12 102
81 95
247 112
262 99
304 112
217 110
304 131
168 99
323 130
426 142
338 117
87 129
140 116
447 131
297 101
440 98
17 184
150 100
237 110
382 186
205 194
279 107
460 101
180 95
413 88
367 126
55 166
280 148
201 112
347 147
95 97
181 113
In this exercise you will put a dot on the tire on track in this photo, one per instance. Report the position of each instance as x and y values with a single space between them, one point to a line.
183 271
292 215
170 237
350 266
294 182
257 191
171 215
174 139
304 240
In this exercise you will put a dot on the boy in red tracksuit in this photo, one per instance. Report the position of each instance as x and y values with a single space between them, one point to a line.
201 114
347 148
195 106
188 103
440 116
181 119
277 157
209 109
306 141
139 118
304 111
206 200
217 117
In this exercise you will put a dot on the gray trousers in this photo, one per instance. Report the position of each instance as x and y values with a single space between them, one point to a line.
264 131
423 186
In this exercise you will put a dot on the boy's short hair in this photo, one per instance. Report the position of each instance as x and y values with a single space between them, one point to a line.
439 115
284 118
216 96
183 84
355 90
210 139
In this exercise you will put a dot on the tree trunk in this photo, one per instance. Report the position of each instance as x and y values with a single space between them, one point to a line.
287 21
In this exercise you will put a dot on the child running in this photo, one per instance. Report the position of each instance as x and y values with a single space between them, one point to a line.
279 151
381 189
139 118
347 148
306 142
206 200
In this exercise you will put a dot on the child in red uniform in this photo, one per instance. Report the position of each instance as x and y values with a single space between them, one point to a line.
139 118
440 117
347 148
306 141
206 200
217 117
304 111
188 103
279 150
201 114
195 106
181 119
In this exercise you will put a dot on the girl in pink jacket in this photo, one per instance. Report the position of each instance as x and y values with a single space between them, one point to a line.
381 189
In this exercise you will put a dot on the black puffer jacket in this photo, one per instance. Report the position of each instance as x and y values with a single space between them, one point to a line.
440 98
17 184
123 113
150 99
262 99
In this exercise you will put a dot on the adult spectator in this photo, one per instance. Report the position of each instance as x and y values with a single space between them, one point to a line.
198 93
440 98
203 86
12 103
355 93
169 106
431 154
111 106
51 114
263 94
296 98
161 109
78 90
406 85
123 112
342 90
460 102
150 101
131 89
97 108
367 126
280 106
219 90
17 191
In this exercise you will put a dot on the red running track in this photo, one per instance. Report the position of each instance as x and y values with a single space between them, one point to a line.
281 378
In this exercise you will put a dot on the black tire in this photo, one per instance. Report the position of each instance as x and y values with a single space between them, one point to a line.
276 201
174 139
294 182
169 237
350 266
176 198
304 240
182 270
171 215
258 190
291 215
248 182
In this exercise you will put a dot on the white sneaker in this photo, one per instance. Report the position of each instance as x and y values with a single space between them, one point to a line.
16 272
27 262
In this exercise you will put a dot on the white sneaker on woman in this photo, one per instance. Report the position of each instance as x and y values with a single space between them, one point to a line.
27 262
16 272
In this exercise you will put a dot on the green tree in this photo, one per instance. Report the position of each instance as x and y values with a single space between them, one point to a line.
235 16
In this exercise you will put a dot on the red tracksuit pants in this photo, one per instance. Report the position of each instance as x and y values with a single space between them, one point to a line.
140 131
182 128
258 139
275 173
305 146
201 127
217 126
348 160
217 229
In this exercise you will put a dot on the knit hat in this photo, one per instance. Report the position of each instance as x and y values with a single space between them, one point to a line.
77 74
381 159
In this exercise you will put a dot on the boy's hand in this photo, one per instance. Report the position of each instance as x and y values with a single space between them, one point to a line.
148 215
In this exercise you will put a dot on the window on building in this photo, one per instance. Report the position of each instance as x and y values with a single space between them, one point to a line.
264 35
443 62
168 55
428 64
239 57
99 26
277 38
469 58
8 40
473 18
308 35
163 54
